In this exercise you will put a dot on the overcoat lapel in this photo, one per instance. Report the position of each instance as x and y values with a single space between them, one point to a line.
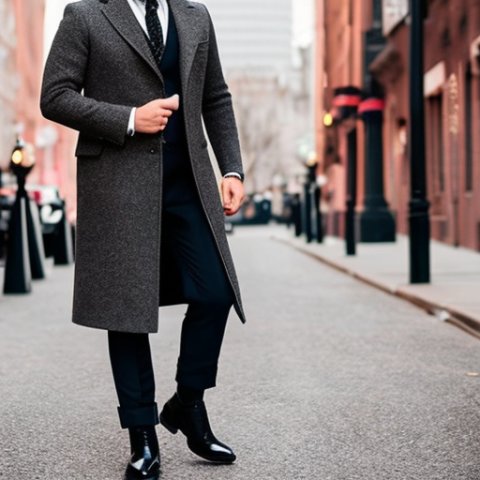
188 36
120 15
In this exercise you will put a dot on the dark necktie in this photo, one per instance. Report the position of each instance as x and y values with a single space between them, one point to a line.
154 28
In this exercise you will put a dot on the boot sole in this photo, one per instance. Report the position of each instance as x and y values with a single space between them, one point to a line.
130 475
210 459
153 477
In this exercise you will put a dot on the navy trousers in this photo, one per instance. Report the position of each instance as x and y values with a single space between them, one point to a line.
198 272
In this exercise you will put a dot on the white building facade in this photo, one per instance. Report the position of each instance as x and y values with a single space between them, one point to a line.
253 34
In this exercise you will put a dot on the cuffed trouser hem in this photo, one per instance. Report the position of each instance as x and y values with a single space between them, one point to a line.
197 381
135 417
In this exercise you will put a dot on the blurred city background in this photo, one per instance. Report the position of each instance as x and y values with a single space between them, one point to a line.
267 53
357 250
288 65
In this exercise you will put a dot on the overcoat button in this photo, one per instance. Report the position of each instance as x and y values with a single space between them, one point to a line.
153 150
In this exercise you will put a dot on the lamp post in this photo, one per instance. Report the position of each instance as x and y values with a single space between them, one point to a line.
320 182
296 201
17 266
350 236
310 197
346 101
25 254
377 223
419 220
316 184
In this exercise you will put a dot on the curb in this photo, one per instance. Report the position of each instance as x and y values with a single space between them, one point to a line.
464 321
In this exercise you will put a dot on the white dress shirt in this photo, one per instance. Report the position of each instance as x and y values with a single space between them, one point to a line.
139 9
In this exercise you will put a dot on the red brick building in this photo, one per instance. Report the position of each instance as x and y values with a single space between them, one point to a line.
452 100
29 16
21 66
339 32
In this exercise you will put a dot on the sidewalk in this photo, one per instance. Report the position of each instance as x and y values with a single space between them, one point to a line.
453 295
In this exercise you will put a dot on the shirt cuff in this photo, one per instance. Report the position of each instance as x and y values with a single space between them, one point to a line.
131 123
233 174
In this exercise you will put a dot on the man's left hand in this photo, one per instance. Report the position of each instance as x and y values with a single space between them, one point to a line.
233 194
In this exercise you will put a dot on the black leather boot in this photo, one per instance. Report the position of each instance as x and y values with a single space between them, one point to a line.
145 461
192 420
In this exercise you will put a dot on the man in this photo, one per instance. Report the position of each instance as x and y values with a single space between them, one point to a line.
135 78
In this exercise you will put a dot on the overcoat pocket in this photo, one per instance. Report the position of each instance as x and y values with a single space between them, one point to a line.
89 146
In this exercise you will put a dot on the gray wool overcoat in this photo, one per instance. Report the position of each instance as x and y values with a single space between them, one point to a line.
99 67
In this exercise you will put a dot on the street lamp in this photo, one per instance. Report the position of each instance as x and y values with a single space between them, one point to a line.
25 254
419 220
21 163
328 119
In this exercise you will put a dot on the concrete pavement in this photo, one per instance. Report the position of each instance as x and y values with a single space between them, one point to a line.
328 380
454 291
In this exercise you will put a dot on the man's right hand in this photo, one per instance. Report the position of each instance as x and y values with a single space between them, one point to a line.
153 116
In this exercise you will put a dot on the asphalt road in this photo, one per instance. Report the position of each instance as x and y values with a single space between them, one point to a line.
329 379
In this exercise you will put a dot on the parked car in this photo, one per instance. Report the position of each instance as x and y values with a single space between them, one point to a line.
51 209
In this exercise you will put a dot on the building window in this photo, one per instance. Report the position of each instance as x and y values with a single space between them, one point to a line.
437 146
468 131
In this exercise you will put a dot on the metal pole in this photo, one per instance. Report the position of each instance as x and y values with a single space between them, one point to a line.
350 240
308 211
317 195
377 223
297 214
419 206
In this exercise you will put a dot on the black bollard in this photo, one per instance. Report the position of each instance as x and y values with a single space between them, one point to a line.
35 241
307 212
18 277
63 246
317 195
297 214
